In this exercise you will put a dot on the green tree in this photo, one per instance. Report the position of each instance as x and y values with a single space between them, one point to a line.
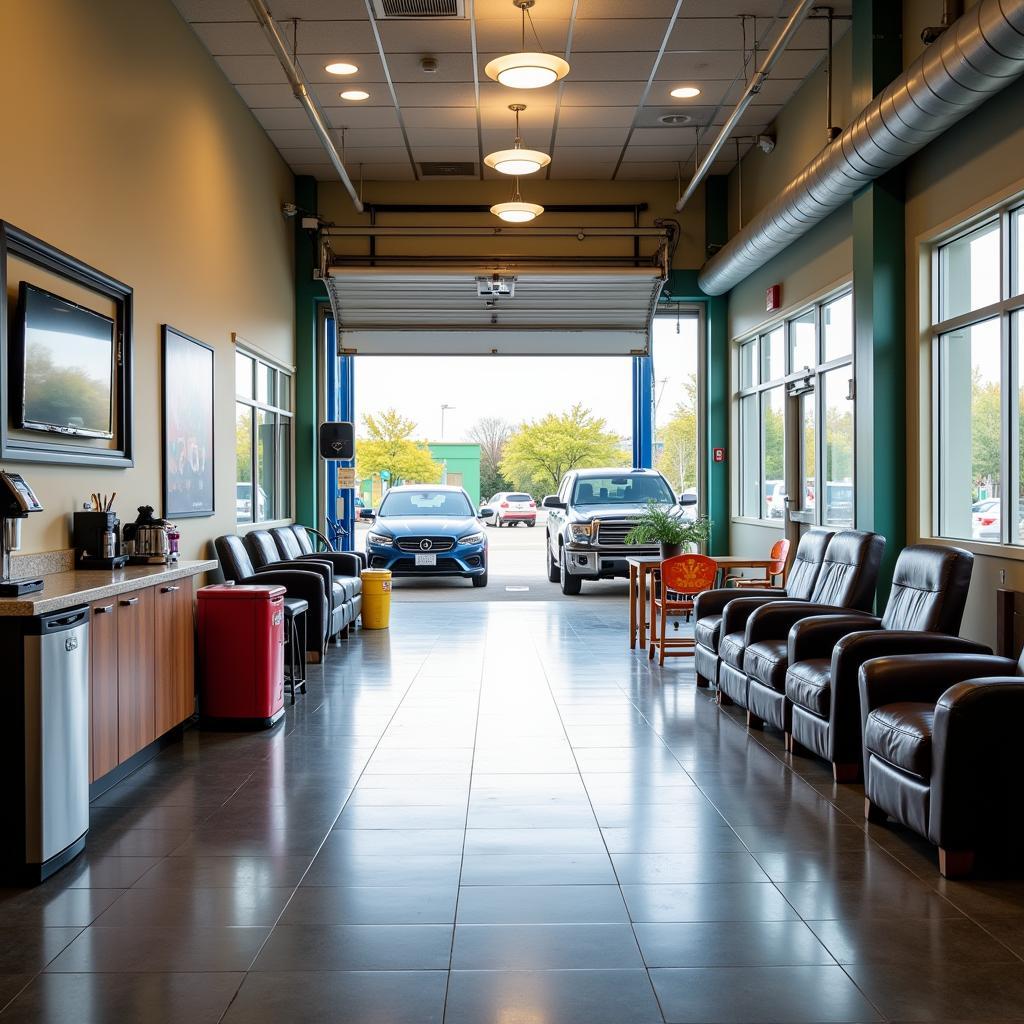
677 439
390 447
540 452
986 421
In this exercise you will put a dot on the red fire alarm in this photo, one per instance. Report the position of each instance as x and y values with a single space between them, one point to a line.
718 454
773 298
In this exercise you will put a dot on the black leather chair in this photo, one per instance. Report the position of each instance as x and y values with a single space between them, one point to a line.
304 580
941 751
922 615
754 659
710 606
308 541
345 591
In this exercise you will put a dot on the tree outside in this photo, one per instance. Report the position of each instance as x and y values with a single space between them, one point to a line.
539 453
390 448
677 441
492 434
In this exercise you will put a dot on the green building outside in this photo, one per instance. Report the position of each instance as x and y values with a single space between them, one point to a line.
461 463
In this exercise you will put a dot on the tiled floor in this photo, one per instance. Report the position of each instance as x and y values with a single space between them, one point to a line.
495 814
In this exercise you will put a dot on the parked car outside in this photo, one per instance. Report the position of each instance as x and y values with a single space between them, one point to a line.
243 504
988 525
983 514
427 530
590 516
774 499
509 508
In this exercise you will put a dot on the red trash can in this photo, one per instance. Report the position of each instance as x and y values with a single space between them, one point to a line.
241 655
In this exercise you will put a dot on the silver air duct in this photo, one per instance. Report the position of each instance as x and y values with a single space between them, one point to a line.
980 54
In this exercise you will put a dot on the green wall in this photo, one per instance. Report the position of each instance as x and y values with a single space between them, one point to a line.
464 459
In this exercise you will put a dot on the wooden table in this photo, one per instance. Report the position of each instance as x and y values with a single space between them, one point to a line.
642 569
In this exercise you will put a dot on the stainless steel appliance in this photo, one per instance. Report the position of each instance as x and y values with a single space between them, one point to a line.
17 500
96 537
146 540
45 741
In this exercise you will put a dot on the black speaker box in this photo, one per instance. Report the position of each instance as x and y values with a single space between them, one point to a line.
337 441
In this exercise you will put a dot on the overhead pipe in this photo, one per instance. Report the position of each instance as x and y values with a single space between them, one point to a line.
980 54
760 76
302 93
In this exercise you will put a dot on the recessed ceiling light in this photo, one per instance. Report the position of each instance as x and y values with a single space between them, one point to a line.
340 67
685 92
355 95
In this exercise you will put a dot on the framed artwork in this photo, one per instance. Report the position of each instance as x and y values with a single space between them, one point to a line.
188 426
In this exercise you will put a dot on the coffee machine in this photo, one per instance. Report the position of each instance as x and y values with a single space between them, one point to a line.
147 540
96 537
17 500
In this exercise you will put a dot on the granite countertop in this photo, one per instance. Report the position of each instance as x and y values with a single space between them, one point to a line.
65 589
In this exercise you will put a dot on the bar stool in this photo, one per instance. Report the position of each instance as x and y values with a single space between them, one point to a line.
295 609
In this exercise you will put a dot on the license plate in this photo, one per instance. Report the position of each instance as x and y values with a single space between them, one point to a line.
426 559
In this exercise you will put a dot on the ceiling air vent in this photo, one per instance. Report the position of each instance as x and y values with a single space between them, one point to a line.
448 169
675 120
384 9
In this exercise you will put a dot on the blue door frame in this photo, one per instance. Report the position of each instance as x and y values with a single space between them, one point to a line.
643 412
340 514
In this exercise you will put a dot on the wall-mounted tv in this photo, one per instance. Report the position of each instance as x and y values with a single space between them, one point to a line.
63 366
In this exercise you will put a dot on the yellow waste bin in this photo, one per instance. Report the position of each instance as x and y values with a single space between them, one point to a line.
376 611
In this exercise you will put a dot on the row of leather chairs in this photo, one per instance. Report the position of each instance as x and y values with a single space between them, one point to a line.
924 716
329 581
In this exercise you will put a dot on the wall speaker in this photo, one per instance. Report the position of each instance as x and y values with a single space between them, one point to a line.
337 441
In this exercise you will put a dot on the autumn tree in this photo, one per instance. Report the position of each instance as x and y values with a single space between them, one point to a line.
389 447
492 434
539 453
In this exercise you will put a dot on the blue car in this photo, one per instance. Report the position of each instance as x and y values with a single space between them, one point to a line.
421 530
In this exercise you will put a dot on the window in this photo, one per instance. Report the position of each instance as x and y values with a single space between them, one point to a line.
977 369
798 372
263 440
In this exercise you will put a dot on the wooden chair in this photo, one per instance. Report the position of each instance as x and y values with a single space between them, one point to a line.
775 574
676 585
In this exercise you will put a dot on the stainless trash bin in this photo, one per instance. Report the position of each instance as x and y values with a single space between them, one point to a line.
46 740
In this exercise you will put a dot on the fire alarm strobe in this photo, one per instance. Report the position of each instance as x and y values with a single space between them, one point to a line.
337 440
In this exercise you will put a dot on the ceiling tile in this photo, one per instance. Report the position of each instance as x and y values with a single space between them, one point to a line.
583 154
797 63
444 153
442 137
655 170
253 70
318 10
388 171
698 65
630 9
505 35
609 136
344 36
266 95
663 136
595 117
370 68
435 94
587 170
487 10
225 37
596 94
608 66
408 36
709 34
215 10
439 117
357 116
672 153
452 67
355 155
618 34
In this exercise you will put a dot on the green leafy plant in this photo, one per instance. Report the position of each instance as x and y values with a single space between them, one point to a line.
660 525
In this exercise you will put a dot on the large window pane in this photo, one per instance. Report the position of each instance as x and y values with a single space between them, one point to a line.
837 328
774 452
284 468
747 366
773 355
1018 252
750 458
837 449
969 271
1017 328
803 342
284 391
243 463
243 375
266 384
808 433
969 430
266 464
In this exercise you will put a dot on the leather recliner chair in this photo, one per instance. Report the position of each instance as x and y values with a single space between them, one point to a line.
303 541
263 550
942 751
710 606
755 657
303 580
347 565
922 615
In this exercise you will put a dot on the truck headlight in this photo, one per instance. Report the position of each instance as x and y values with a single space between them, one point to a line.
472 538
381 540
580 533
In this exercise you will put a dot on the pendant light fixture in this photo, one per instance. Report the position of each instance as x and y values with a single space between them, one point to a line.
516 211
526 70
517 160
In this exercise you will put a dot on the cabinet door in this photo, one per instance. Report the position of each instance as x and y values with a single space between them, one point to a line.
136 706
103 688
175 644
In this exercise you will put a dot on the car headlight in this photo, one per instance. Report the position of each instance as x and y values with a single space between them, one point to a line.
580 533
381 540
472 538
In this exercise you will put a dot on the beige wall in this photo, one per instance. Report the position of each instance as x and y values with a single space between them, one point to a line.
126 147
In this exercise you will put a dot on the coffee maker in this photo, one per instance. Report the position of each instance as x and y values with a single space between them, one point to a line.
96 537
17 500
146 540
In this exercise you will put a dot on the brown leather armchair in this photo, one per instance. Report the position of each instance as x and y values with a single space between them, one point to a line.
941 750
709 607
756 656
922 615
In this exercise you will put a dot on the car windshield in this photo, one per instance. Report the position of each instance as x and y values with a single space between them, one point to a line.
621 490
425 503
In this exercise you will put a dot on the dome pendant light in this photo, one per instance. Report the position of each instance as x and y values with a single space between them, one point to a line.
525 70
516 211
517 160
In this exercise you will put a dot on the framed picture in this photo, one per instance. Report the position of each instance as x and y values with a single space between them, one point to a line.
188 426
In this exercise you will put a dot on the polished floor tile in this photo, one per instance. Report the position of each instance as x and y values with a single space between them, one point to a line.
541 904
544 947
356 947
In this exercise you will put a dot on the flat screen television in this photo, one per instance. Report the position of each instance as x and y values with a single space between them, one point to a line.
62 366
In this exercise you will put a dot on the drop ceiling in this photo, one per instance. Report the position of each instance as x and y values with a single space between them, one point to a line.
601 122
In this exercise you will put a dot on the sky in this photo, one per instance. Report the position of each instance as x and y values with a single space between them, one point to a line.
518 388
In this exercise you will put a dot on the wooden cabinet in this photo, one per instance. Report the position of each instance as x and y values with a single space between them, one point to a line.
104 754
136 697
175 653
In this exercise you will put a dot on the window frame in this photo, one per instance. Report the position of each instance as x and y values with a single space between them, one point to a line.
283 496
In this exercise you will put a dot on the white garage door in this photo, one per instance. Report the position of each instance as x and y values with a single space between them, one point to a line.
518 310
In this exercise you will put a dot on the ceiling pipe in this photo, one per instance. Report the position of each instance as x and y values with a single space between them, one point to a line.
980 54
796 19
305 97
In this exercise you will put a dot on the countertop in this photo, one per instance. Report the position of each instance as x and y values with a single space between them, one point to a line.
65 589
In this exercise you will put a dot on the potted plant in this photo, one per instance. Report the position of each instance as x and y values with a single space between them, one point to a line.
674 534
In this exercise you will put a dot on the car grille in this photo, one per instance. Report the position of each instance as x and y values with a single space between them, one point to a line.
444 565
611 533
434 544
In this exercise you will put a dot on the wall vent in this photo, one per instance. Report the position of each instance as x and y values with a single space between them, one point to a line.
448 169
384 9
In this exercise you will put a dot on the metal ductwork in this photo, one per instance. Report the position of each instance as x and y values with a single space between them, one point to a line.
980 54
